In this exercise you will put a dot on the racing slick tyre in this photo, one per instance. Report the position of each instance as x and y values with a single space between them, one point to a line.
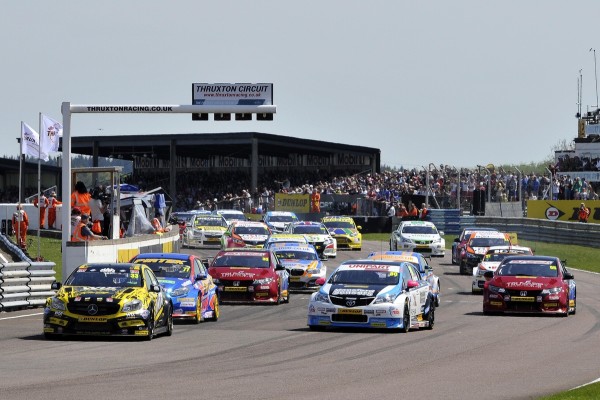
286 300
216 310
405 320
278 302
169 322
49 336
463 268
316 328
198 318
431 318
150 325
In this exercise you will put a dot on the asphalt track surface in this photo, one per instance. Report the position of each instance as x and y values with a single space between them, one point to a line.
267 352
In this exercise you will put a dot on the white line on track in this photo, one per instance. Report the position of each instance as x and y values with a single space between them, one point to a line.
22 316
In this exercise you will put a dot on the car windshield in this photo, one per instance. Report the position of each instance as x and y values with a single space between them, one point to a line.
420 230
310 229
234 217
339 224
499 256
488 242
105 277
281 218
545 268
258 260
210 222
295 255
164 268
365 277
251 230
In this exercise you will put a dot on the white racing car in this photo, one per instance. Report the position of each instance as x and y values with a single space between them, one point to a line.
373 294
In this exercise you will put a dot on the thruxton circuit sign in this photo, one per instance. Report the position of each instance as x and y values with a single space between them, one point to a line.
232 94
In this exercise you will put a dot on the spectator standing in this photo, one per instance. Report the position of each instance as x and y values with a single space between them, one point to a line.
20 223
80 198
584 213
97 209
315 201
52 203
42 203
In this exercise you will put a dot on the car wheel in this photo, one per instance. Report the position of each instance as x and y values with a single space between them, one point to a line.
316 328
287 297
463 268
278 296
49 336
198 318
216 310
169 322
431 318
150 325
405 319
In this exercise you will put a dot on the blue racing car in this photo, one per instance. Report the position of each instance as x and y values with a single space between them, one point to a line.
187 283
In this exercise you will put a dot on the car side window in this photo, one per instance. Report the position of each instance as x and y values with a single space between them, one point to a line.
147 279
200 270
414 274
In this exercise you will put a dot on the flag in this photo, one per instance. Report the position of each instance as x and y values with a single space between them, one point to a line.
30 142
51 131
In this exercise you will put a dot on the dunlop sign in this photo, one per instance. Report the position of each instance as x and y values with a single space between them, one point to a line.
562 210
298 203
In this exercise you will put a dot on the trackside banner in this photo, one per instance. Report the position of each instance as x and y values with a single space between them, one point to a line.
298 203
562 210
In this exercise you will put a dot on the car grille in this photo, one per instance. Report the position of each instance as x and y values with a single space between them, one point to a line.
341 301
239 292
342 240
297 272
81 307
91 327
423 250
349 318
428 242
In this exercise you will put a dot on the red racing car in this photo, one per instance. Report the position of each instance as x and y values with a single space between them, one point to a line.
530 284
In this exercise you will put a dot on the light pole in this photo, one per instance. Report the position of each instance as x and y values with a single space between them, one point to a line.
595 75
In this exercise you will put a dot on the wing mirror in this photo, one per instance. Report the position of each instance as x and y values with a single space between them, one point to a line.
412 284
56 285
488 275
279 267
568 276
320 281
155 288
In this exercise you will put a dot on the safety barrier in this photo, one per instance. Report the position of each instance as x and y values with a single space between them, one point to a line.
25 284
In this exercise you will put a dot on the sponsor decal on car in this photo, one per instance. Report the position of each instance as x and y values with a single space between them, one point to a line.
349 311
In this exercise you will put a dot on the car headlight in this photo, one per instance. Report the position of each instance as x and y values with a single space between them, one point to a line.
437 240
264 281
57 304
132 305
322 297
496 289
386 298
180 291
406 240
552 290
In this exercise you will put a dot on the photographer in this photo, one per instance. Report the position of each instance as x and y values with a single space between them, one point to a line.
98 208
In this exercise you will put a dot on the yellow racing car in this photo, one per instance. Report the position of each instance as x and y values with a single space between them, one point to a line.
109 299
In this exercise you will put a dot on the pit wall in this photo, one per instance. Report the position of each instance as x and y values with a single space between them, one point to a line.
118 250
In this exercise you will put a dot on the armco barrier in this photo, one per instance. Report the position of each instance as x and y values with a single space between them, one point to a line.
25 284
541 230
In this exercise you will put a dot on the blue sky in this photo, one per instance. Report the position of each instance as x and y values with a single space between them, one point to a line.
451 82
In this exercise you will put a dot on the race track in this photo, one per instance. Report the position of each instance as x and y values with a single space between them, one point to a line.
267 352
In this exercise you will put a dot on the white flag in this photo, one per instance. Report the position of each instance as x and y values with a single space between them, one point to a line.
30 142
51 131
